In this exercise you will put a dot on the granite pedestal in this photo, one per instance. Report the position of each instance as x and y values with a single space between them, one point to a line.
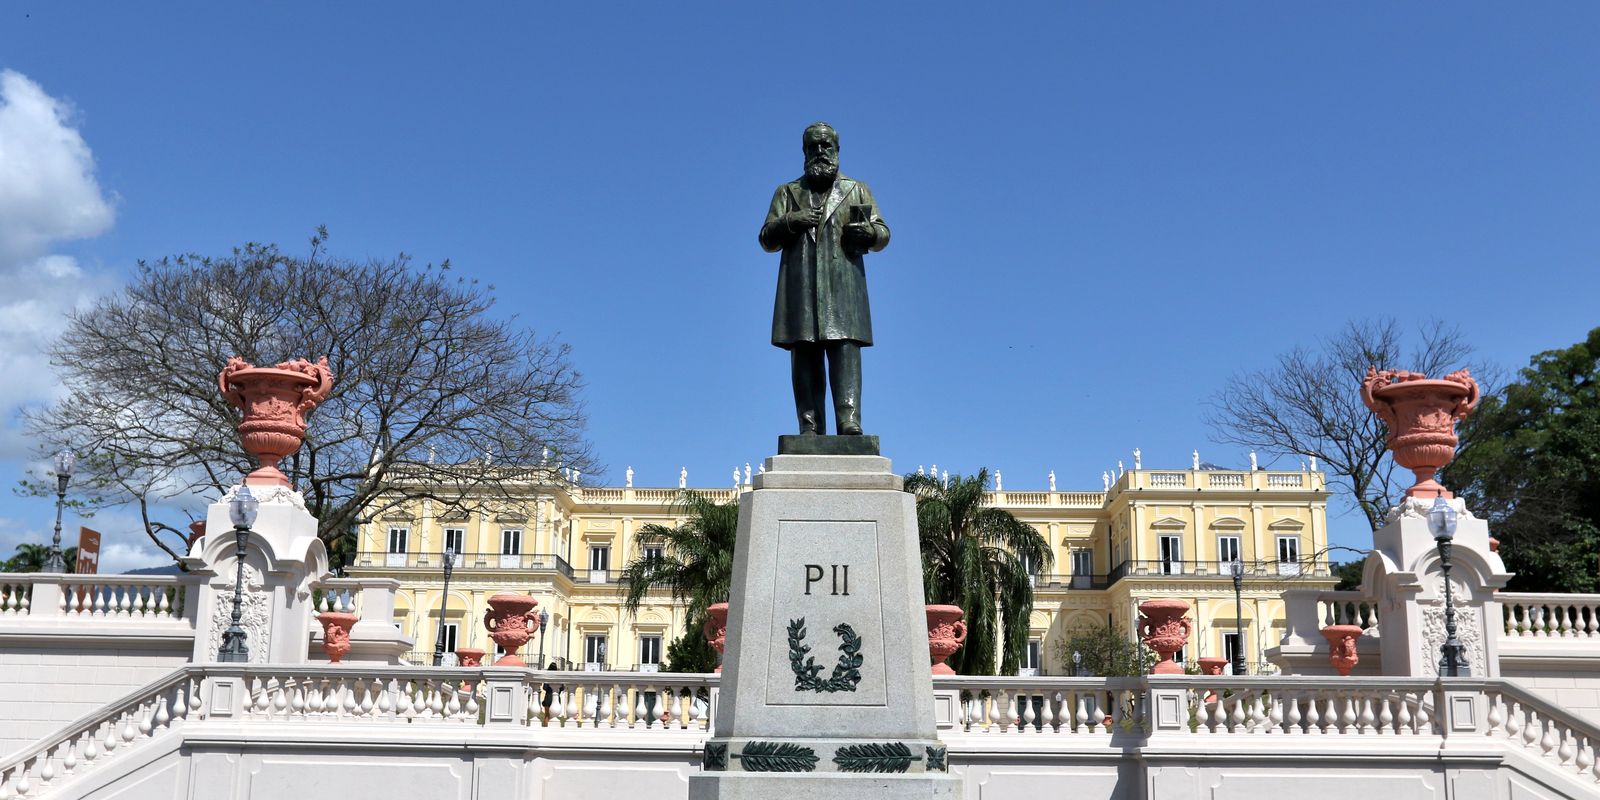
826 689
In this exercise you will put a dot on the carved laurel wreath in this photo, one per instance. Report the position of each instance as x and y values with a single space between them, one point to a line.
846 674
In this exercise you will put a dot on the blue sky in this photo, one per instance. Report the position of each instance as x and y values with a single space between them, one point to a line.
1100 211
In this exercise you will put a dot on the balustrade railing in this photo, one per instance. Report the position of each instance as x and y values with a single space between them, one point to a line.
1551 616
97 738
1059 706
1347 608
99 597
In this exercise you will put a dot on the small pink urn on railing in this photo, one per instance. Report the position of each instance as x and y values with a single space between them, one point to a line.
715 629
1342 646
1421 415
946 632
1212 665
512 620
336 633
275 401
469 657
1164 629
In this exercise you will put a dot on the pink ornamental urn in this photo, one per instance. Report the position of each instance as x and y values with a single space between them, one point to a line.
1164 629
275 401
715 629
1212 665
1342 646
946 632
469 657
1421 415
336 633
511 622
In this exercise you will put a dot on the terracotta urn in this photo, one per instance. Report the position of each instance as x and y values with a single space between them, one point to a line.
1212 665
1342 646
336 633
946 632
1164 629
275 401
1421 415
469 657
512 620
716 629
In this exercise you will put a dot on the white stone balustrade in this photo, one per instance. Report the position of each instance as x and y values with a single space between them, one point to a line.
375 637
1279 726
108 598
1551 616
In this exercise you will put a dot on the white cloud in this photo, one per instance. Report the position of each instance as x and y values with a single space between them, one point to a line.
48 195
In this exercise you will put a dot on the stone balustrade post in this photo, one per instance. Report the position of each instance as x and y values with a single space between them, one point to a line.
1465 711
374 638
1168 710
45 599
506 692
224 695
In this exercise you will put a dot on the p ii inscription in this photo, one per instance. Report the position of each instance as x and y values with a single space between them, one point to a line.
827 618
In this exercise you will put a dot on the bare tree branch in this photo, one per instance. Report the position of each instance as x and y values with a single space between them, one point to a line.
1308 404
430 386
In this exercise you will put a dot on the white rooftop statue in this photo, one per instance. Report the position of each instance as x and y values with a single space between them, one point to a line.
1052 480
683 478
998 485
1253 465
1105 480
1313 463
1119 468
1136 458
920 471
747 473
629 476
947 479
1195 460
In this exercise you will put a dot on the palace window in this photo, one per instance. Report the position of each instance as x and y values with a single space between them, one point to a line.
511 542
455 541
1288 555
594 651
397 546
599 563
1231 646
649 650
1228 551
1171 551
1082 567
654 552
450 629
1030 658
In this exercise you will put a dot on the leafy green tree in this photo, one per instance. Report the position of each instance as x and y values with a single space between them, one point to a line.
693 561
691 652
978 558
1106 652
30 557
1349 574
1530 463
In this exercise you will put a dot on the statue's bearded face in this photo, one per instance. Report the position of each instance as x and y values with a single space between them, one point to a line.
822 155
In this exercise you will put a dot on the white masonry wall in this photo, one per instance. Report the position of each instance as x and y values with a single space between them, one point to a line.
46 682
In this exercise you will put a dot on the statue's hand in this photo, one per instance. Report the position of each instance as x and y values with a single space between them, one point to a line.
796 221
860 236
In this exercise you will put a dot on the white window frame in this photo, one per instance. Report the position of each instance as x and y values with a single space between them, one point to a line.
659 551
1030 658
1082 567
650 661
1290 546
1169 564
1224 557
599 554
452 633
398 534
1231 640
595 651
455 539
510 548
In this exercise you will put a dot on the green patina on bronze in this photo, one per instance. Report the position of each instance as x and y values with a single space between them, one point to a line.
873 757
846 674
715 756
824 223
776 757
938 758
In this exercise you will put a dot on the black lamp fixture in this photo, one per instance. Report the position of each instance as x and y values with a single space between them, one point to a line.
53 561
1237 568
444 604
1442 524
544 619
242 511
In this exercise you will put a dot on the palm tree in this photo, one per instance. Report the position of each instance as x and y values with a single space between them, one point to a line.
694 560
978 558
30 557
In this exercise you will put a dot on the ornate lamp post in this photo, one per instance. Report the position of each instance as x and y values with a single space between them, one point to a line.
242 512
438 644
53 562
544 618
1237 568
1442 523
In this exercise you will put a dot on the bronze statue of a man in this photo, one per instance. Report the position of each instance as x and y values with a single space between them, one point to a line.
824 223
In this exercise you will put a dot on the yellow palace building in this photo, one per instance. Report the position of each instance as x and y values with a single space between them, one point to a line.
1148 534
